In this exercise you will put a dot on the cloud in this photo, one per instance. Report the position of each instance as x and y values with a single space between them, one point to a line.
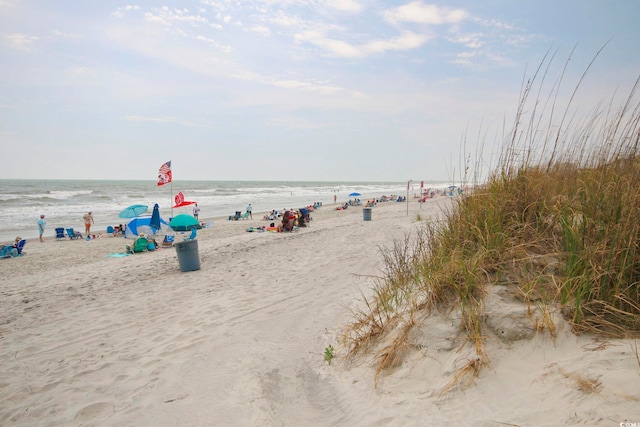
344 5
420 13
472 41
335 47
20 41
119 13
259 29
166 16
215 44
407 40
161 120
60 34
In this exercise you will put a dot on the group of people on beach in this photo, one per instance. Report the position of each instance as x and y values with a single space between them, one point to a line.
87 218
292 219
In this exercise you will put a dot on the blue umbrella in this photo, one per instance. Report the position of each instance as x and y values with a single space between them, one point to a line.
155 218
133 211
354 195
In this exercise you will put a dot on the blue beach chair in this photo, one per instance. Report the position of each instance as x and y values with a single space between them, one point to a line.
60 233
74 235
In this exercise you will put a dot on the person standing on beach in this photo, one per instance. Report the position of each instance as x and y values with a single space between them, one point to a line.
335 198
196 211
88 220
250 209
41 224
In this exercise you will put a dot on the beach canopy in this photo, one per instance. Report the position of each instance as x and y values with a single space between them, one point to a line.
141 224
184 222
355 195
184 203
180 201
133 211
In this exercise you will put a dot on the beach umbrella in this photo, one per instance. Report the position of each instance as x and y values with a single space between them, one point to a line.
354 195
184 222
155 218
133 211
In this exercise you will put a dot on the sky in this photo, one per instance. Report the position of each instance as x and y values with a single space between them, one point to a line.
308 90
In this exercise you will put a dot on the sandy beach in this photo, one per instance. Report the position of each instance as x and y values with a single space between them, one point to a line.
89 339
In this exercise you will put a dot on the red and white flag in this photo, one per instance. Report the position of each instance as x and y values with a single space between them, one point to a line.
179 198
164 174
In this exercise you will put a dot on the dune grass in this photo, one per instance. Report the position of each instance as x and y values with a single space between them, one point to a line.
557 221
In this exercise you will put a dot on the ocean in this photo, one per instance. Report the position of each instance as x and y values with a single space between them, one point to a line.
64 202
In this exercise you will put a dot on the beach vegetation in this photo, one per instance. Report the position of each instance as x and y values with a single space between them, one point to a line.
328 354
555 225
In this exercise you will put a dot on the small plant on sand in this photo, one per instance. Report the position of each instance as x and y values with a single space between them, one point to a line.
328 354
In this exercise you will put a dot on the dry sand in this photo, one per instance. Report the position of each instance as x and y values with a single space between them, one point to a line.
87 339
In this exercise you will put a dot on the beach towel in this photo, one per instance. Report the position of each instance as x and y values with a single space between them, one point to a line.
118 255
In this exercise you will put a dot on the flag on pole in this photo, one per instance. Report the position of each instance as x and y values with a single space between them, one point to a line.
179 198
164 174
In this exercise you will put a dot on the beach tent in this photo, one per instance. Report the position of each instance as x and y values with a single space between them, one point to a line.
141 224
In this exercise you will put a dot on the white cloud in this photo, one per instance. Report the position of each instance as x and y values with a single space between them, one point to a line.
212 42
21 41
464 58
335 47
284 20
472 41
420 13
344 5
58 33
263 31
407 40
167 17
119 13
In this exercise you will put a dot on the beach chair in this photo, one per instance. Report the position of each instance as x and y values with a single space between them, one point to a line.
168 240
73 235
20 246
246 215
8 251
60 233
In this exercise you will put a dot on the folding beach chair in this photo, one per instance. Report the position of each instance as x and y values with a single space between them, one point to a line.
60 233
73 235
168 240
